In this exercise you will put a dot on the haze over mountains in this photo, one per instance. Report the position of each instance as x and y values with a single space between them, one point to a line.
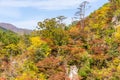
15 29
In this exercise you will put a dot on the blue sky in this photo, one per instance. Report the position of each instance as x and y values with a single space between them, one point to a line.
26 13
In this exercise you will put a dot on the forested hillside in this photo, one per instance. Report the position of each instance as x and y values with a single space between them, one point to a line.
8 37
55 51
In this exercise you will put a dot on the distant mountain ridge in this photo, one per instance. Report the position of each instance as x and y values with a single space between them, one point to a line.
13 28
1 28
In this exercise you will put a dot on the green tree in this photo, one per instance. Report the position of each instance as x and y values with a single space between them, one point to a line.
54 29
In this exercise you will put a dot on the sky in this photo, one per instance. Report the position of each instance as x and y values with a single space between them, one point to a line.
26 13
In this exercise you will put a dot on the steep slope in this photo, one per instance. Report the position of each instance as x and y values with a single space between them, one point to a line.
108 14
15 29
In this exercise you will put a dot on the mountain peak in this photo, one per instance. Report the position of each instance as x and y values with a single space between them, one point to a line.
13 28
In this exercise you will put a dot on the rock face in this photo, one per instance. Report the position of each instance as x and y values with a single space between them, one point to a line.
73 75
115 20
15 29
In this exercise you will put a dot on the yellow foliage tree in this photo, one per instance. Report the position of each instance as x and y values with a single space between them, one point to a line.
36 41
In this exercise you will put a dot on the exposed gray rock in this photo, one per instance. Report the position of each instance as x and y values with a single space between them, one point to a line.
73 74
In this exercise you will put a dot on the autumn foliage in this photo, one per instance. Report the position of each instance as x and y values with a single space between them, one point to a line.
49 52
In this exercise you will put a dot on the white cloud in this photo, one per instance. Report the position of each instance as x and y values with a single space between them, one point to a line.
13 9
43 4
32 24
9 12
27 24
